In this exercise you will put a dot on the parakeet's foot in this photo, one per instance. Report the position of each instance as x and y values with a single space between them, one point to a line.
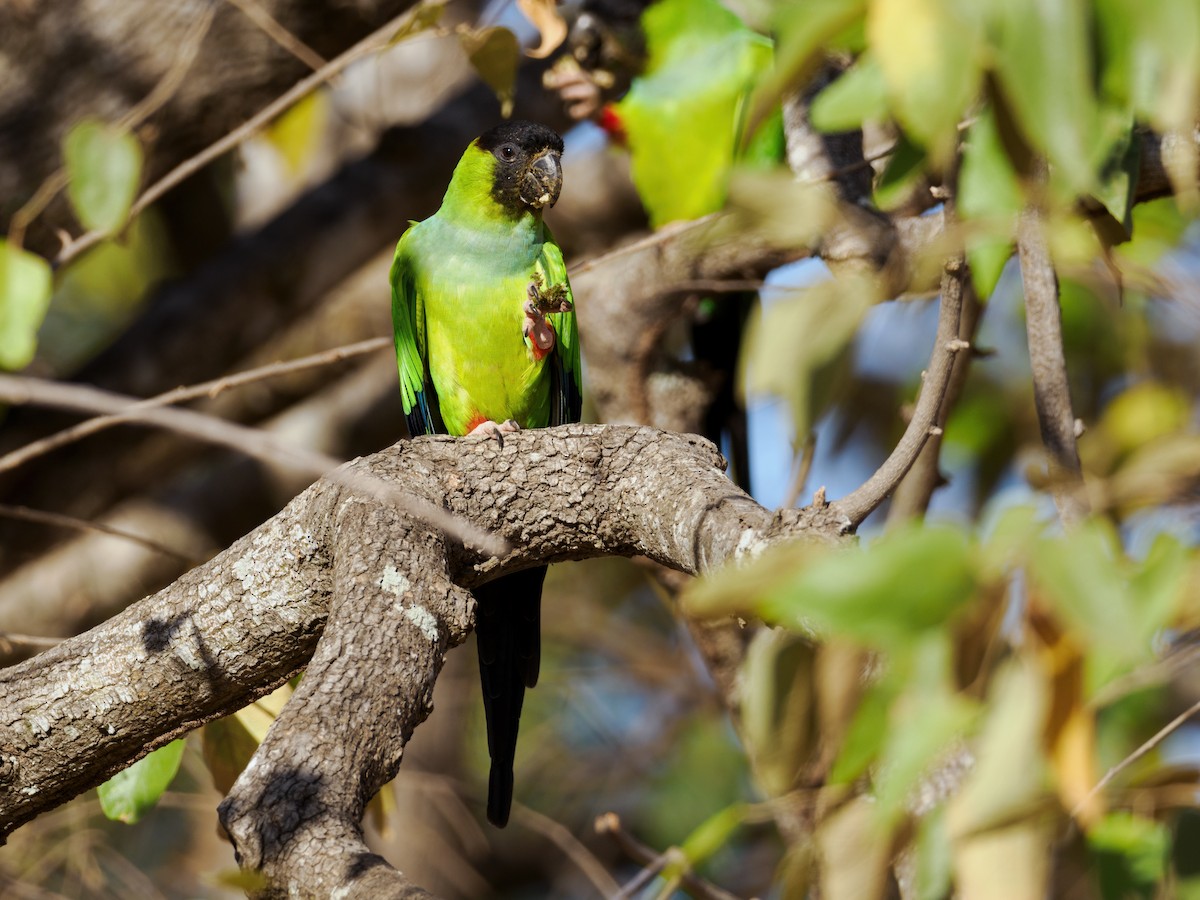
549 300
495 429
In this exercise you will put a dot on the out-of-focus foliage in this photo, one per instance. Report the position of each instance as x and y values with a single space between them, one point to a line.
25 296
104 165
1015 643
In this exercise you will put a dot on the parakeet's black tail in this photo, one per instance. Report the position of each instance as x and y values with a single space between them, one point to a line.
508 625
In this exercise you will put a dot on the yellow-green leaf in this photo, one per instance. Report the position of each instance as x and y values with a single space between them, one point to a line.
24 298
929 55
989 199
105 167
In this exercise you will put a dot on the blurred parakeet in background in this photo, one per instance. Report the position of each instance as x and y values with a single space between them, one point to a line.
486 343
701 65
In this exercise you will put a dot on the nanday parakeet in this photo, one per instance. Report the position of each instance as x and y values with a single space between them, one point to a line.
486 343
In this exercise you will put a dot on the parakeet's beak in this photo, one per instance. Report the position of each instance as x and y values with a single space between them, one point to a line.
542 181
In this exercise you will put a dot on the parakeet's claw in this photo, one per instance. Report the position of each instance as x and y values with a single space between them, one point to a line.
496 430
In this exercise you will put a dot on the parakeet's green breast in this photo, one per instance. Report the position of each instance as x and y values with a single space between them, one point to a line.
474 281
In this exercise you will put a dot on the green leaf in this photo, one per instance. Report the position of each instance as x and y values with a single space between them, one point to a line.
105 166
777 707
1088 581
795 345
933 856
1118 178
1011 776
25 284
910 581
1044 66
494 53
1131 855
904 172
867 733
929 54
804 31
128 795
858 95
713 833
925 721
989 199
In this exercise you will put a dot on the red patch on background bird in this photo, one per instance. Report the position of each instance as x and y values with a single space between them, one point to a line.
611 122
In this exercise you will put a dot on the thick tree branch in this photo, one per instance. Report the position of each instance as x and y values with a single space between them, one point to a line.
391 590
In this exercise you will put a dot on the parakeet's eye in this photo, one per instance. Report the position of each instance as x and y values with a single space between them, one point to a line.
507 151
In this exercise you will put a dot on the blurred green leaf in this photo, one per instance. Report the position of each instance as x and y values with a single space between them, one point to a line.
803 33
929 53
24 298
105 167
713 833
989 199
128 795
789 344
1158 227
1150 55
1010 777
904 172
1111 608
858 95
227 746
777 707
867 733
1119 175
911 580
1131 855
933 857
494 53
1044 66
925 721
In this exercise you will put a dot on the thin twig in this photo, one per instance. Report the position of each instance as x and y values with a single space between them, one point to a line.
610 824
859 503
189 49
57 520
572 848
250 441
10 641
210 389
803 468
280 35
1137 754
375 41
1051 390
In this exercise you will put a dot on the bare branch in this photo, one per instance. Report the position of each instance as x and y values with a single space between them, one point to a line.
280 35
858 504
251 441
1157 738
1051 389
653 863
179 395
58 520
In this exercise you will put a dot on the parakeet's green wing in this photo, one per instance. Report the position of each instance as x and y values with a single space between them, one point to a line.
566 400
421 409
